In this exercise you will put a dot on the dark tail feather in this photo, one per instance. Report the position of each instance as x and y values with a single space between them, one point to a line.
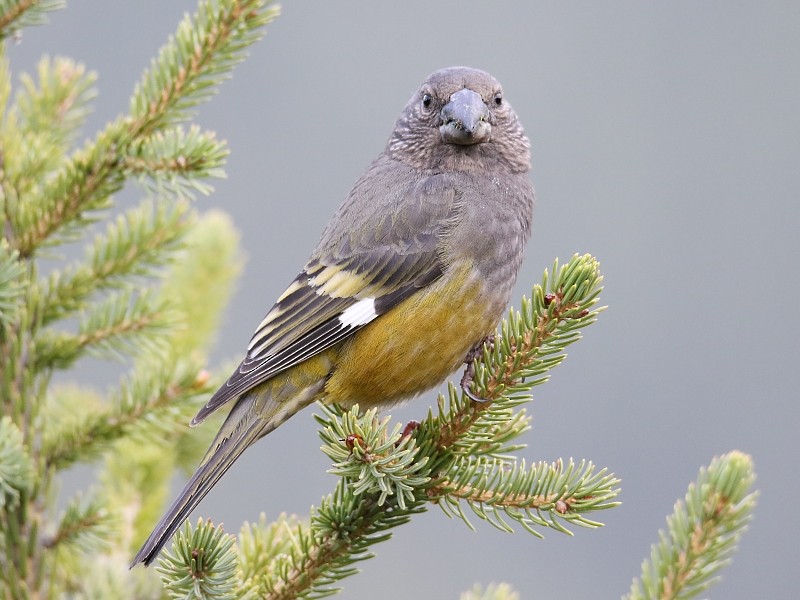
252 417
209 472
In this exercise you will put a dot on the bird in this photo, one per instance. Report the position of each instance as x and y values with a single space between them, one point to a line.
410 276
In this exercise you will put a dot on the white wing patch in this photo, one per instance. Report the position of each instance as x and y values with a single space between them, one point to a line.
361 313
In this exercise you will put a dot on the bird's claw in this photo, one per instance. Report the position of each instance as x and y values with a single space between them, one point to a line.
469 371
468 393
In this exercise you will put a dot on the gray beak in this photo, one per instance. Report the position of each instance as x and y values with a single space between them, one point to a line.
466 119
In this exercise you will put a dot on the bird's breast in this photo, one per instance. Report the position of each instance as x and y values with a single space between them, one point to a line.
418 343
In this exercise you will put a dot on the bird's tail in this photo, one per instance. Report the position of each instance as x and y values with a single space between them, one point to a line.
244 425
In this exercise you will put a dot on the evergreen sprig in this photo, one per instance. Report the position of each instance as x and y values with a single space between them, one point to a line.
702 532
17 14
17 471
372 460
342 531
135 244
53 108
209 553
542 495
187 71
200 55
500 591
12 286
122 324
86 525
470 440
177 162
145 400
262 543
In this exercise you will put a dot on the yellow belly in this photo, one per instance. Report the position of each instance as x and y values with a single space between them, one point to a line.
414 346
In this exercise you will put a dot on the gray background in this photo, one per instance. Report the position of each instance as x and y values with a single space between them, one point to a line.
666 141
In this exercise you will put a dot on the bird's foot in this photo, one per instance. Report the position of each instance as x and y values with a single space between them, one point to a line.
477 349
469 371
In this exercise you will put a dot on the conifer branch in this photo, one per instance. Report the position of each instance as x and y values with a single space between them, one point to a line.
530 343
702 532
12 286
155 390
86 525
37 131
262 544
186 72
121 324
500 591
83 185
16 14
177 162
201 54
123 296
140 240
307 560
543 495
210 555
56 105
159 395
341 533
371 459
17 472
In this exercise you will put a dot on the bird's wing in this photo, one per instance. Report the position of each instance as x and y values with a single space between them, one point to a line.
343 287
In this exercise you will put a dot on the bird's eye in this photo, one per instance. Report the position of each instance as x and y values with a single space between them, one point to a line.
498 99
427 101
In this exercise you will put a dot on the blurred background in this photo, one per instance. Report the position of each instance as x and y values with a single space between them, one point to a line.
666 141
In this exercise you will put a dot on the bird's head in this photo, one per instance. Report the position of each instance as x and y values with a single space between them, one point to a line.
460 120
